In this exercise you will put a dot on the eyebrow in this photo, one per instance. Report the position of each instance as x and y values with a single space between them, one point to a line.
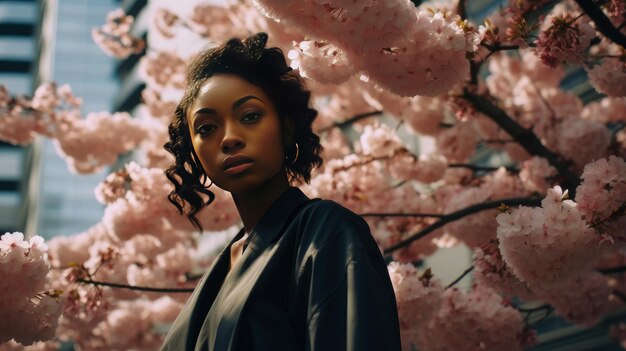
236 104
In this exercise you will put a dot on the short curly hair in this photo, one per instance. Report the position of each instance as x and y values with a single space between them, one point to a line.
265 68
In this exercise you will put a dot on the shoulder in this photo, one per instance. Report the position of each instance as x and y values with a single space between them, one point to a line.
324 222
330 215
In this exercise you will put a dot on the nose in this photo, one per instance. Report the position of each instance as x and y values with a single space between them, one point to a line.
232 140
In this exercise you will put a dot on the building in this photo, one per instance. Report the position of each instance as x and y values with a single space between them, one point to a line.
66 203
18 51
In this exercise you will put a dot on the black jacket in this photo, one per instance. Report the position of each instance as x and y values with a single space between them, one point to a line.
311 278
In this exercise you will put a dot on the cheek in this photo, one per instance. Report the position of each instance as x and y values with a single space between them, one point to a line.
273 140
203 157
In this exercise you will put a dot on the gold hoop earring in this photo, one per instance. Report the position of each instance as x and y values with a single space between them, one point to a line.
297 153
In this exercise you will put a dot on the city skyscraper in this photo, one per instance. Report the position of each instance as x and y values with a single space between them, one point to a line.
18 55
66 201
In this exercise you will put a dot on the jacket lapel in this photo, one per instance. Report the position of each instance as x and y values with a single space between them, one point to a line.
184 331
245 273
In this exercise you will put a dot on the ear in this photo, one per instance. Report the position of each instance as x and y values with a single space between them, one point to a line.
289 131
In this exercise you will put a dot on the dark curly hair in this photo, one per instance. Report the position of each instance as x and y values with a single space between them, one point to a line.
265 68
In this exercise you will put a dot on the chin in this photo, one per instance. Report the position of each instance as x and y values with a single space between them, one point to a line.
249 181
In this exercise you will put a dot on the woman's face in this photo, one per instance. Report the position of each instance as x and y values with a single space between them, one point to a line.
232 117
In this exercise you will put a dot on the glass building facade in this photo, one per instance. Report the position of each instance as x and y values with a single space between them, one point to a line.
18 51
66 201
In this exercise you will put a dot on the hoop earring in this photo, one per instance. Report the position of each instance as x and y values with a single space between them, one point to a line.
297 153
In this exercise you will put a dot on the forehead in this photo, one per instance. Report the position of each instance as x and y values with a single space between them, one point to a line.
222 89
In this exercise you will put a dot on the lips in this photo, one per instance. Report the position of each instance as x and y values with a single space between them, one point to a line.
235 160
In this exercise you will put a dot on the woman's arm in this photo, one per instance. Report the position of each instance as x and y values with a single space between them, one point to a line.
351 303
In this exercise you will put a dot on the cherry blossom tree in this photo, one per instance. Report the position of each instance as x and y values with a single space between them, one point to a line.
545 220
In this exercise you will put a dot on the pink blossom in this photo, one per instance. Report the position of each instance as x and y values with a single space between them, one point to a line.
478 320
338 103
62 250
13 240
114 37
129 327
12 345
90 144
335 144
382 99
418 294
608 109
370 25
29 313
583 300
536 173
379 140
616 8
458 143
163 69
158 104
609 77
425 114
490 270
215 22
165 309
603 189
574 133
564 40
426 169
549 245
320 61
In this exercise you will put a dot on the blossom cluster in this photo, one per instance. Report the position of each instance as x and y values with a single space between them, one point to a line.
386 40
564 40
115 37
603 192
477 320
547 246
30 313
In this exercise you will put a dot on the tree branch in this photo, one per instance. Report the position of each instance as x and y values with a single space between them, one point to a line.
466 272
462 9
130 287
525 137
535 309
528 201
381 214
603 23
482 168
611 270
350 120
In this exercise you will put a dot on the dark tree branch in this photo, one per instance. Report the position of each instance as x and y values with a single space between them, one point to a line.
528 201
379 214
130 287
612 270
535 309
525 137
466 272
482 168
603 23
462 9
499 47
350 120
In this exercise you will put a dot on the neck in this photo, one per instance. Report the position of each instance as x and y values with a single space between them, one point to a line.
253 204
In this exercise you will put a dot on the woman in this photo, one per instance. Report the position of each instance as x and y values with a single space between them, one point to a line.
302 274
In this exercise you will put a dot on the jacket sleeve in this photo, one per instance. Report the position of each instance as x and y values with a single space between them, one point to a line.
351 303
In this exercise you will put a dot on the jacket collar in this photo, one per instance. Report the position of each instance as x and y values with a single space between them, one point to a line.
272 222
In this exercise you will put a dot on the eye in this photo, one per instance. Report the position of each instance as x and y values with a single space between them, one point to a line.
205 129
251 117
